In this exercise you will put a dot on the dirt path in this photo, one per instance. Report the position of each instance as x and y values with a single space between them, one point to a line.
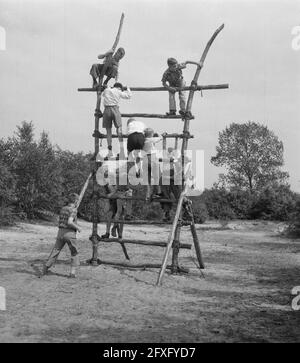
244 297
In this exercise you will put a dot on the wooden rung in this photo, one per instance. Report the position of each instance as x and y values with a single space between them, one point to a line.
154 115
145 243
159 200
136 222
151 89
141 265
168 136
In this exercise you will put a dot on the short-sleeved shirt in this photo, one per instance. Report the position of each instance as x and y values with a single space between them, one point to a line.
174 76
64 215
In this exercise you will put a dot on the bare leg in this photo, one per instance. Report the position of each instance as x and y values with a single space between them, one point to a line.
109 140
108 224
121 141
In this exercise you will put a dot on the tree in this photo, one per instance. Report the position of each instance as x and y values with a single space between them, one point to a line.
37 173
252 155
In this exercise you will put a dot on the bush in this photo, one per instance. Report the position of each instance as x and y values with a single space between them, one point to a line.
200 211
6 216
294 221
217 202
273 203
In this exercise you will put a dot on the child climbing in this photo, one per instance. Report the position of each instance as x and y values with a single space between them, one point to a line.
118 208
152 161
111 100
112 66
135 142
173 79
136 137
171 174
67 228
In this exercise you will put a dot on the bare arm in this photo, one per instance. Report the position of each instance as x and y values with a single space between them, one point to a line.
101 56
192 62
168 87
73 225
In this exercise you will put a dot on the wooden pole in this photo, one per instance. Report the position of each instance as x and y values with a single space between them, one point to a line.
151 115
83 190
144 242
95 237
197 246
142 266
194 85
176 248
175 226
171 236
159 89
167 136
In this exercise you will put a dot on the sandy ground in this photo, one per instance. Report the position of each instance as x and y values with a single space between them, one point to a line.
244 296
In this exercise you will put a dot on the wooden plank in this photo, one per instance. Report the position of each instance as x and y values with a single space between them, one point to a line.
155 89
144 242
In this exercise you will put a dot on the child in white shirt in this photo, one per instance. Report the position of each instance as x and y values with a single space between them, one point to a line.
152 161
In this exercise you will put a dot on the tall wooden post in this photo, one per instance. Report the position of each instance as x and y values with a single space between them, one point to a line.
186 130
95 238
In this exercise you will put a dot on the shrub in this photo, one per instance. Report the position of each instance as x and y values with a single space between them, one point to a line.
273 203
200 211
294 221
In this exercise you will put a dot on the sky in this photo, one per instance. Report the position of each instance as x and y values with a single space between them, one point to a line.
50 46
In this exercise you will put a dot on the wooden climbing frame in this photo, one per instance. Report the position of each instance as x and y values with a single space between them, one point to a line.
183 203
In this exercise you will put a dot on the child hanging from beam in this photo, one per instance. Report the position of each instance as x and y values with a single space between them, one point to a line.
112 66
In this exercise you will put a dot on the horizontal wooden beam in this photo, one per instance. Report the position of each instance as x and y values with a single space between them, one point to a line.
168 136
155 89
159 200
153 115
144 222
141 265
138 222
144 243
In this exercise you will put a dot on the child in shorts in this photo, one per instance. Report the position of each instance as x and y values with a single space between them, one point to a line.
112 66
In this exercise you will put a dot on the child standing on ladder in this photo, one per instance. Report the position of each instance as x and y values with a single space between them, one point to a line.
173 79
67 228
152 161
111 100
118 208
